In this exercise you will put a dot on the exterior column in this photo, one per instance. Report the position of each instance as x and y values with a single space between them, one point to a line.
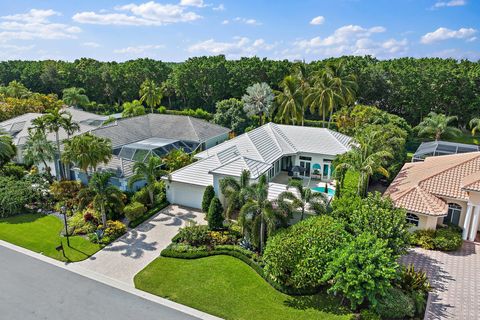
466 223
474 227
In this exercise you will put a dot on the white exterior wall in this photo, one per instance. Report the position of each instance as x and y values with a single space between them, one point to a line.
188 195
316 158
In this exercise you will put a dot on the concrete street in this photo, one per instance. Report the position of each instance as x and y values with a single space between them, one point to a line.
33 289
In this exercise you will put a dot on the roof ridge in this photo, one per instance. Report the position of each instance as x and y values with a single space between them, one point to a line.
336 139
247 134
284 137
193 127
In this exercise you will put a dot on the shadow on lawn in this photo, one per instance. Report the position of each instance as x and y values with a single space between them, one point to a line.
322 302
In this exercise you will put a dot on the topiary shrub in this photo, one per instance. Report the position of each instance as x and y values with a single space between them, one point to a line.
423 238
208 195
298 256
395 304
447 239
215 215
134 210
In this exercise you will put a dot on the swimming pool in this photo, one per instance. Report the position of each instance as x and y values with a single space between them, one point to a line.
330 191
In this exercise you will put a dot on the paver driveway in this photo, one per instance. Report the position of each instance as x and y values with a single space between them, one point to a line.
455 279
126 256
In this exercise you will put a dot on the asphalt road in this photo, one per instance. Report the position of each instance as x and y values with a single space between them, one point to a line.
33 289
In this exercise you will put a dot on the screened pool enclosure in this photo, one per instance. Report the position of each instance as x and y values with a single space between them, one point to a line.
440 148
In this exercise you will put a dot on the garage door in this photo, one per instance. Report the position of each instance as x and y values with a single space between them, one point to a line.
187 195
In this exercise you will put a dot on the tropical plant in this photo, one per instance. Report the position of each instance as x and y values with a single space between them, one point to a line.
75 97
14 196
305 198
151 94
177 159
87 151
7 148
134 210
229 113
38 150
235 191
437 126
133 109
289 101
101 194
258 101
215 214
208 195
17 90
148 172
474 125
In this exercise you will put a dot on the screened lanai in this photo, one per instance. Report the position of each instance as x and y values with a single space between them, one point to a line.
440 148
141 150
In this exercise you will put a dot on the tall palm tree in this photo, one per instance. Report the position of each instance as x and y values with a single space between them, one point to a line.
257 217
437 126
133 109
100 193
258 101
87 151
306 198
38 150
474 125
53 121
16 89
150 172
367 156
235 191
75 97
290 101
151 94
7 148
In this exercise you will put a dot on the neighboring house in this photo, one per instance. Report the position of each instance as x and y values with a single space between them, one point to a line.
440 190
271 149
137 138
18 128
441 148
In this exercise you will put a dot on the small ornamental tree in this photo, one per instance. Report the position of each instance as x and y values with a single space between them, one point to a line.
215 215
208 195
362 270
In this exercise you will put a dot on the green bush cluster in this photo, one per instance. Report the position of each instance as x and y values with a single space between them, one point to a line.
148 214
395 304
215 215
134 210
143 197
199 235
113 230
196 113
208 196
444 239
14 196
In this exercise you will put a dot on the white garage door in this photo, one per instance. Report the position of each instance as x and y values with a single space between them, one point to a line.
187 195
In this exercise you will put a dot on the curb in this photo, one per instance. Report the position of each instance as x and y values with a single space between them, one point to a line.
111 282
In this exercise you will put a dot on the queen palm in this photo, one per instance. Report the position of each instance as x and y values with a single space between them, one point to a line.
87 151
289 101
151 94
258 101
437 126
234 192
474 125
149 172
7 149
38 150
306 198
101 194
75 97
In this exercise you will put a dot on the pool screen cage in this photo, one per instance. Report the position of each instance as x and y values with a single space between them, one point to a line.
440 148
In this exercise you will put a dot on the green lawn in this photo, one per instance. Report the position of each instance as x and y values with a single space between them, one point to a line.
41 234
226 287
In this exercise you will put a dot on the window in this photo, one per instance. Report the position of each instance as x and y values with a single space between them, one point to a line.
306 158
453 216
412 219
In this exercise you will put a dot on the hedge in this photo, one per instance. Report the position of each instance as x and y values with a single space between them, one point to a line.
147 215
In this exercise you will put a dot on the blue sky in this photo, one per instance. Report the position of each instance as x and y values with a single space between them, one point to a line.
174 30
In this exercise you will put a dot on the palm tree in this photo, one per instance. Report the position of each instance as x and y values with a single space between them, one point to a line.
100 193
306 198
234 191
87 151
149 172
7 149
133 109
366 157
53 121
16 89
258 100
38 150
474 125
75 97
257 217
151 94
437 126
290 101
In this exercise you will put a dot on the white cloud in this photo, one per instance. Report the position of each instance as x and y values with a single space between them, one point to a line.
35 24
10 51
145 14
220 7
91 44
138 50
192 3
225 22
317 20
239 47
445 34
451 3
247 21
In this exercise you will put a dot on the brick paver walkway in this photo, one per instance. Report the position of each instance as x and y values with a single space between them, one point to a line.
455 280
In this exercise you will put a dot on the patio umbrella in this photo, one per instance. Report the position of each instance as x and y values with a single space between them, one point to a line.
298 169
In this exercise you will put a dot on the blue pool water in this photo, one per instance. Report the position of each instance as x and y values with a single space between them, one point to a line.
331 192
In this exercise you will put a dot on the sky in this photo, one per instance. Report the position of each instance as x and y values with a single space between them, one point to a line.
174 30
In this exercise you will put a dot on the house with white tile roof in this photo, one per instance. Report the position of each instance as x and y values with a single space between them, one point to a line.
270 150
440 190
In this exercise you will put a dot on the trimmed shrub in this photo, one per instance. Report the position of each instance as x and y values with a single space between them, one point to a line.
144 217
208 195
81 223
215 215
423 238
367 314
193 235
14 196
134 210
395 304
113 230
447 239
141 196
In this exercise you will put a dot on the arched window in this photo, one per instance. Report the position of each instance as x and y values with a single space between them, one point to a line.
412 219
453 216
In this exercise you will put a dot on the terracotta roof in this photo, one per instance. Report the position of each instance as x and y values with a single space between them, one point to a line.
419 186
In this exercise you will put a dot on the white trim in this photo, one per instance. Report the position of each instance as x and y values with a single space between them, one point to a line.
466 223
474 227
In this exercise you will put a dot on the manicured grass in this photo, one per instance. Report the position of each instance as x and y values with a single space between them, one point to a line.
41 234
226 287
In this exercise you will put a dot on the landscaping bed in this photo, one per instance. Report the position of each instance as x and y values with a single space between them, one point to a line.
447 238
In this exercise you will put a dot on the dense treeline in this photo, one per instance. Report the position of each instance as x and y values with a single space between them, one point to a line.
408 87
